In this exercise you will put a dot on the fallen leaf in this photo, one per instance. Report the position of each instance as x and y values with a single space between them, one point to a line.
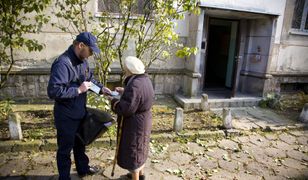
226 158
169 171
155 161
247 172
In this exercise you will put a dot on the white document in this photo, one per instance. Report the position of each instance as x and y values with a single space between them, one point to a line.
114 93
95 88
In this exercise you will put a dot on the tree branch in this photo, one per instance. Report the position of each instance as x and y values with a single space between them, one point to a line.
4 80
123 35
82 16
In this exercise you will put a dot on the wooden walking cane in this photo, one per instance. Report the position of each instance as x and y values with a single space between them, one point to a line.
119 133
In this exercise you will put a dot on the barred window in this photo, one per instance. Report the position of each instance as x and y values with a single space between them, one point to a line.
300 15
107 5
113 6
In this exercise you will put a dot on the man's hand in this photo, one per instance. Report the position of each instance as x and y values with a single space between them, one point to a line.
84 87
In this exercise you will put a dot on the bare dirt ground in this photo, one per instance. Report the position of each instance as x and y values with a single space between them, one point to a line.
37 120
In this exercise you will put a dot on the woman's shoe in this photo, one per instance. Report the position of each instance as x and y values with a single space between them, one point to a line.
129 175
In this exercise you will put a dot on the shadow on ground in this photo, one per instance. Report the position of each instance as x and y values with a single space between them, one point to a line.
55 177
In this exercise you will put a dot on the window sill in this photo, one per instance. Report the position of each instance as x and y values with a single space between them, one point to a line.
116 15
298 32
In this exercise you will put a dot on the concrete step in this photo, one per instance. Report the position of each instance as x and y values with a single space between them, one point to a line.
234 102
195 102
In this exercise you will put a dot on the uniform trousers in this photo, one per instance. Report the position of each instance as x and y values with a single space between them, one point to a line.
67 141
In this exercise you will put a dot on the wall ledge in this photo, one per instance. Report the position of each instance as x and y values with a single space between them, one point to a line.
292 74
256 74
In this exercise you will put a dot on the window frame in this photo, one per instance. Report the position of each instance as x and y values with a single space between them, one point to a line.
301 30
114 15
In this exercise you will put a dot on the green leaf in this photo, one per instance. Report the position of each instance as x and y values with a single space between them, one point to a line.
165 54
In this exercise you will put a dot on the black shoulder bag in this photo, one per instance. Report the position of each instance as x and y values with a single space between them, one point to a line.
94 124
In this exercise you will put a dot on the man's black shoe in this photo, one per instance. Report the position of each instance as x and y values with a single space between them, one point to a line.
92 170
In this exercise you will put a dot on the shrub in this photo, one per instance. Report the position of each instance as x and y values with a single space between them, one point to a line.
5 109
272 100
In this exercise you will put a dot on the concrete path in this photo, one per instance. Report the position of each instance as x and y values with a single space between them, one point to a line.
250 118
276 155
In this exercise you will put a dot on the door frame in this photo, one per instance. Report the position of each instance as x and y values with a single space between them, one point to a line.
234 78
237 59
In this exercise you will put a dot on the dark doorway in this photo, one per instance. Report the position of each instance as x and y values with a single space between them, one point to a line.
220 62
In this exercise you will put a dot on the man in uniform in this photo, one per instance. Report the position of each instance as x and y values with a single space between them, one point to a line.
70 79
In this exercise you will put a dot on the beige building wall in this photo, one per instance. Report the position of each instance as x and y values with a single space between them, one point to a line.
293 47
289 66
31 71
282 56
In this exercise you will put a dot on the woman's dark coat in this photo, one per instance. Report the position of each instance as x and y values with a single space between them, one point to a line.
135 108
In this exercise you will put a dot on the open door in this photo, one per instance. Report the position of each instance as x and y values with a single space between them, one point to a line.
220 66
231 55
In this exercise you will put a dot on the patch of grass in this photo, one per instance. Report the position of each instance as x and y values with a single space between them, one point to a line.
166 101
5 109
201 120
292 105
294 101
37 120
39 133
32 107
112 131
184 139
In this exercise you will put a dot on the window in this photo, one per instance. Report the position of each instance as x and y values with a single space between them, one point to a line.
300 16
107 5
112 6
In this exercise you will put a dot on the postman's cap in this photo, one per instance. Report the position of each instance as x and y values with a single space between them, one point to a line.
89 40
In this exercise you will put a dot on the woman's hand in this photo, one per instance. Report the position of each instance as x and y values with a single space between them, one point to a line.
110 98
119 90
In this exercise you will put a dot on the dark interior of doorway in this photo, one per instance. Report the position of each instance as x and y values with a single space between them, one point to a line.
217 57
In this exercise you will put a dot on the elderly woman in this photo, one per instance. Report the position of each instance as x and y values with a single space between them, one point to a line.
134 118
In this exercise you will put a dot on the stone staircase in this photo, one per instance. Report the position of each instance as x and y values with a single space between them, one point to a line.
195 103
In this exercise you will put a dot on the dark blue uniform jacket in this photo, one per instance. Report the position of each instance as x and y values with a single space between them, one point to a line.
67 73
